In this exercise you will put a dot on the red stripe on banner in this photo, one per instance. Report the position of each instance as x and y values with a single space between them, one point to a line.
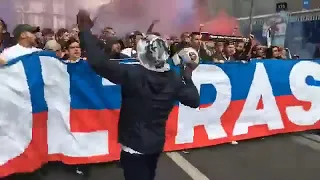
228 121
35 154
86 120
94 120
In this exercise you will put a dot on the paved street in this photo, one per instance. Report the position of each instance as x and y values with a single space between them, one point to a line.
282 157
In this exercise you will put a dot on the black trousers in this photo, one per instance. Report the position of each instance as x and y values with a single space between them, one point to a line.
139 166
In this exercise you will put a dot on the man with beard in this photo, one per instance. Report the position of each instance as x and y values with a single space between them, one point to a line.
149 92
25 36
243 49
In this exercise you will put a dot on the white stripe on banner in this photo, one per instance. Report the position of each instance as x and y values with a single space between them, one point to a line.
106 82
15 112
57 95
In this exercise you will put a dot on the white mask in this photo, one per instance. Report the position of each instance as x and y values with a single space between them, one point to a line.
153 53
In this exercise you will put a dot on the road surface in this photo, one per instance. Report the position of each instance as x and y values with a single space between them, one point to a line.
281 157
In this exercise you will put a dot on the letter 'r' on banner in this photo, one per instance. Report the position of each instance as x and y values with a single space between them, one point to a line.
304 92
250 115
210 116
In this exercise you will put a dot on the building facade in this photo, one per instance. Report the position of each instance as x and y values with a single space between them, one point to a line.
241 8
44 13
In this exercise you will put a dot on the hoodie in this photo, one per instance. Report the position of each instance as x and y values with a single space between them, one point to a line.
147 97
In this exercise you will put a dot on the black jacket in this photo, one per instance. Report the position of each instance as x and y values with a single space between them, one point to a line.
5 41
147 97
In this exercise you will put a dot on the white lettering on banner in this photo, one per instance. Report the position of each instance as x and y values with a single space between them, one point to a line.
15 112
57 95
304 92
106 82
250 115
210 116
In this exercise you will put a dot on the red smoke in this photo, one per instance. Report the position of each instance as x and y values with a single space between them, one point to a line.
222 24
129 15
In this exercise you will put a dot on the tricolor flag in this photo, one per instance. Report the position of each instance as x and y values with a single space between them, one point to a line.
53 111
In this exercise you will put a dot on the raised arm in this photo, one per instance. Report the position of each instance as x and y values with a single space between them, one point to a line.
188 93
97 58
149 30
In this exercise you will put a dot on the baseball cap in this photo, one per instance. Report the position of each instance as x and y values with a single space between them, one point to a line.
52 45
20 28
137 33
134 34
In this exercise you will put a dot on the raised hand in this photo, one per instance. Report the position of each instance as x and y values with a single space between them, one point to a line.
84 21
156 21
3 61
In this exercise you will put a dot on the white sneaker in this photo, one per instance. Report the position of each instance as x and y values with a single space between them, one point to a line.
234 142
186 152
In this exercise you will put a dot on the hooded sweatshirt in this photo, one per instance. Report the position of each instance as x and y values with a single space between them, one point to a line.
148 94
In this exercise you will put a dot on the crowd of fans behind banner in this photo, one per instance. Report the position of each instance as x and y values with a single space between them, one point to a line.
211 48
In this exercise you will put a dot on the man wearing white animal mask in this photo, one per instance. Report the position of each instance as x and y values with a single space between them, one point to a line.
153 53
149 92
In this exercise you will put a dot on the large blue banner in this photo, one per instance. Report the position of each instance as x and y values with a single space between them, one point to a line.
53 111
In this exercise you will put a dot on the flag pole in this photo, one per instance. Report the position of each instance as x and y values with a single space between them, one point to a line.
251 15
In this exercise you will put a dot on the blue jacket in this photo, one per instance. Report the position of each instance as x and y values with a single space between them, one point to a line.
147 97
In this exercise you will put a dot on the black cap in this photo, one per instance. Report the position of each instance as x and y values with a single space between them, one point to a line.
112 40
134 34
137 33
20 28
229 42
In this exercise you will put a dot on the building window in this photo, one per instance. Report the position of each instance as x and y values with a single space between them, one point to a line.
36 7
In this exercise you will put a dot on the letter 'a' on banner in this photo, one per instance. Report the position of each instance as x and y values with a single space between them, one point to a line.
53 111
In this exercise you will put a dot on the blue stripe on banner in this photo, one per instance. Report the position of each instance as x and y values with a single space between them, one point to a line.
241 76
87 91
86 86
32 67
38 53
208 93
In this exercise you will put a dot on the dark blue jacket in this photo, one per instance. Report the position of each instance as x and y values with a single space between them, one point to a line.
147 97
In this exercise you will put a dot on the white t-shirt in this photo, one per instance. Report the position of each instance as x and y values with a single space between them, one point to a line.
129 150
16 51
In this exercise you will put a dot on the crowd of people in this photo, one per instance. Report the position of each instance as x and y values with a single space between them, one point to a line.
65 42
